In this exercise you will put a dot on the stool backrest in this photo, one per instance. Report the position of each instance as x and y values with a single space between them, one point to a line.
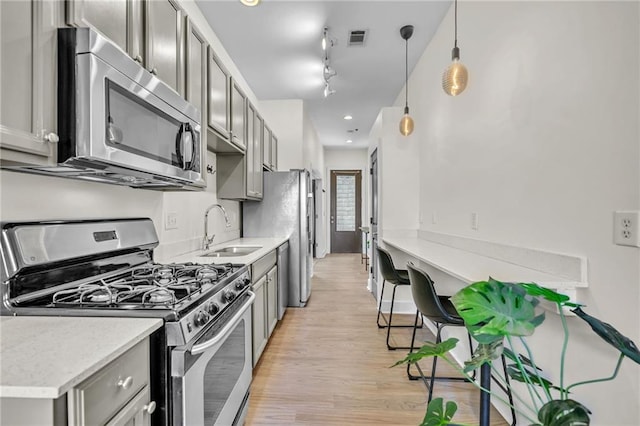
427 300
387 269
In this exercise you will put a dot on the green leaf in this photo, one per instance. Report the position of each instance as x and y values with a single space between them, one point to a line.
484 353
514 373
566 412
523 359
497 309
439 415
611 335
429 349
535 290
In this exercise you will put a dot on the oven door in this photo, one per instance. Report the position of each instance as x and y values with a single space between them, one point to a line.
211 376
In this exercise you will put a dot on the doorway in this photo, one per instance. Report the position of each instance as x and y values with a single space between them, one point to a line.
374 223
346 199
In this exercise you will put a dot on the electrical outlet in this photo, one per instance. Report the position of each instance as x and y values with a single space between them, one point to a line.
474 221
171 221
625 228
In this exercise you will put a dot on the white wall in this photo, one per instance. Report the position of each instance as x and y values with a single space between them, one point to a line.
32 197
343 159
544 145
286 119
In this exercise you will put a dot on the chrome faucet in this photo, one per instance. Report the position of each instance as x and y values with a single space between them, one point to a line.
206 241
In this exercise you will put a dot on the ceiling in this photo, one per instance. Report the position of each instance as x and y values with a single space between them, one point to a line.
277 48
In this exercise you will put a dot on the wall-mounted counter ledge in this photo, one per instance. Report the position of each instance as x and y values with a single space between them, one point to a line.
471 267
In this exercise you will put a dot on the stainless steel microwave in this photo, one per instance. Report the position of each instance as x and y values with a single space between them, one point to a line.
118 123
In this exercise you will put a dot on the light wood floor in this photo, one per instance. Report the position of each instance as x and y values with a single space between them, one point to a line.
327 363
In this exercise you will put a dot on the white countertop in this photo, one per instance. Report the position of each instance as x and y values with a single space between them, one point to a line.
44 357
471 267
266 245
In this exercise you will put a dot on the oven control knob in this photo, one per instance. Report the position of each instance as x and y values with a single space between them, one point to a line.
201 319
213 308
228 296
241 284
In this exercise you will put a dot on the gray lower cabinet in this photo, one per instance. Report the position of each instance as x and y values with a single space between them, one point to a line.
258 311
28 127
272 299
265 307
116 395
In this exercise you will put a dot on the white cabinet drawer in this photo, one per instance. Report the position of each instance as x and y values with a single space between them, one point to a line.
102 395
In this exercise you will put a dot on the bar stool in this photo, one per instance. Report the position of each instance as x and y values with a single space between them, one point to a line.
394 277
441 311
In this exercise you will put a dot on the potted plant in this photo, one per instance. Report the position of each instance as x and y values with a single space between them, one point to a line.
497 315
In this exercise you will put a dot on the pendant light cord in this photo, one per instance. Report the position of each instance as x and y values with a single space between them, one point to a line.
455 23
406 73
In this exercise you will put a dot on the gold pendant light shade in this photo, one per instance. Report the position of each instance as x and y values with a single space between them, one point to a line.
455 78
406 124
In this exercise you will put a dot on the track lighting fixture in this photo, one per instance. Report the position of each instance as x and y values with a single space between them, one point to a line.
456 76
327 71
406 123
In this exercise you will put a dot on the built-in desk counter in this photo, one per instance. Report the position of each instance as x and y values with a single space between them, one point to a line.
470 267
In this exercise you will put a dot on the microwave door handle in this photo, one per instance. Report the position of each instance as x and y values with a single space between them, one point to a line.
194 143
192 163
179 145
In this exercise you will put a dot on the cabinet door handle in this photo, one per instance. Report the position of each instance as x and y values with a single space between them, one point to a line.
150 407
138 59
51 137
125 383
154 71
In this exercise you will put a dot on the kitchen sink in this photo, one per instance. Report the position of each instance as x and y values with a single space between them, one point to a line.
232 251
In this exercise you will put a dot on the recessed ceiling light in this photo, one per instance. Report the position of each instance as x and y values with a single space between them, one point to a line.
348 117
250 2
349 141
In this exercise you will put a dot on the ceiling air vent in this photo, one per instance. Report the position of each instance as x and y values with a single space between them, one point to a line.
357 37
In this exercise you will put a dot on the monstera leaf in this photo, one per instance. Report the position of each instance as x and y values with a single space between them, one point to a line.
438 414
611 335
484 353
529 376
495 308
566 412
429 349
534 289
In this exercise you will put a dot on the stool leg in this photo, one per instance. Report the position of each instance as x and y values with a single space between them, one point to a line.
393 298
380 305
435 362
473 376
508 390
413 340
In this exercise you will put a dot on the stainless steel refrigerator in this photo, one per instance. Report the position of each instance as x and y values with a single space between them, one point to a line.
286 210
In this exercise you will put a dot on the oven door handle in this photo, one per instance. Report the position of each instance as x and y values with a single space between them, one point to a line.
197 349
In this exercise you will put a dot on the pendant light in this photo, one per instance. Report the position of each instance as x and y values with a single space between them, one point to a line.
406 123
455 77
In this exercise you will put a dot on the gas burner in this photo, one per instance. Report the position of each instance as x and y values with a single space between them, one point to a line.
158 296
165 281
143 295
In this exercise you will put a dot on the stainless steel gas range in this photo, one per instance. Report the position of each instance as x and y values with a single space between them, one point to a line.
201 359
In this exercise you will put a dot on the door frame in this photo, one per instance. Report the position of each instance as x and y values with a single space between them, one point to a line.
332 210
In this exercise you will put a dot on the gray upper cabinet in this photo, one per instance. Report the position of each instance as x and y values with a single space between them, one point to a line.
257 158
28 80
270 150
238 112
196 79
150 31
218 96
266 148
274 152
164 42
